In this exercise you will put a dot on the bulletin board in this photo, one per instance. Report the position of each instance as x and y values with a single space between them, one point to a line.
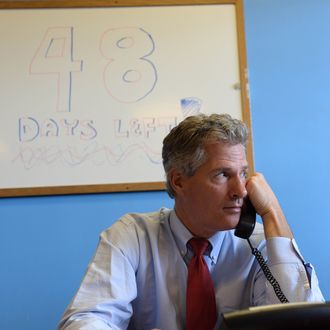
89 89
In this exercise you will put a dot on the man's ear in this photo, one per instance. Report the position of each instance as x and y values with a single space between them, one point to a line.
176 179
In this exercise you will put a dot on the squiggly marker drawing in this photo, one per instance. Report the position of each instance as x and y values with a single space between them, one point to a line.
72 156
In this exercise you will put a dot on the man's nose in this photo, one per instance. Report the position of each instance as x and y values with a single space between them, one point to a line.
238 189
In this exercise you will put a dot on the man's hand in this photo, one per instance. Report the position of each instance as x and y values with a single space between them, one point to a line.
267 206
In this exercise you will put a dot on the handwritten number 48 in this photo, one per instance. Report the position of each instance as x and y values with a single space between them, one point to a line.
128 76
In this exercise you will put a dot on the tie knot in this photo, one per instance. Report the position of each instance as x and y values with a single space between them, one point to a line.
199 245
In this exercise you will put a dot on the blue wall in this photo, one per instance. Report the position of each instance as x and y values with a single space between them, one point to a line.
46 242
45 245
289 71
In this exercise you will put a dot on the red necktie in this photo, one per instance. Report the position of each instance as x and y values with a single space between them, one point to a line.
201 308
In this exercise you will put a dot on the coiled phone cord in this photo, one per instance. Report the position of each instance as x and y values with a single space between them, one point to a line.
269 276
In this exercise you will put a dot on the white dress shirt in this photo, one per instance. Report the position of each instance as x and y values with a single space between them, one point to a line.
137 278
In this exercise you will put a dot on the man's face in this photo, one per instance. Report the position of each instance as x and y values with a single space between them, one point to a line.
211 199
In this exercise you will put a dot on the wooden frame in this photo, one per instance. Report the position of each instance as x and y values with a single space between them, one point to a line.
132 186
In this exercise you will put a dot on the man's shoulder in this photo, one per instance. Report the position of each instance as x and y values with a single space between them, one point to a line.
136 218
133 232
137 221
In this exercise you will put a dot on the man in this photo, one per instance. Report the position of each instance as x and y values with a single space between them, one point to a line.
138 277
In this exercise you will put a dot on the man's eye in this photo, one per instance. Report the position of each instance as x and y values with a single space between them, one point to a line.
221 175
244 174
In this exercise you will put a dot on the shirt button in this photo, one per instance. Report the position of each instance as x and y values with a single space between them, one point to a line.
212 261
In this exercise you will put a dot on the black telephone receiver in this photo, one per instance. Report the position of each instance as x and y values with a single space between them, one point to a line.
247 220
245 229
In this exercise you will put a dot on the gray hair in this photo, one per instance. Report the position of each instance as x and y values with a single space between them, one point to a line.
184 146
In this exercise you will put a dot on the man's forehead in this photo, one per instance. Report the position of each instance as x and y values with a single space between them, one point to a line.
225 150
227 158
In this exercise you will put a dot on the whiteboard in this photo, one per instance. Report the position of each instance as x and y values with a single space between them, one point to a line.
88 94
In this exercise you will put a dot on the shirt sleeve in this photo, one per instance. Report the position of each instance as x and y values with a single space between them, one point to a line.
104 298
296 278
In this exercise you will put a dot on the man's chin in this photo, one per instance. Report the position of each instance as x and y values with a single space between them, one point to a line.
231 222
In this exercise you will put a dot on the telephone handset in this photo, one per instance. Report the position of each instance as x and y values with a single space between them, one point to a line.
247 220
244 230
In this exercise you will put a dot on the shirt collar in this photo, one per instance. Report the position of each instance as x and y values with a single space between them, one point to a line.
182 235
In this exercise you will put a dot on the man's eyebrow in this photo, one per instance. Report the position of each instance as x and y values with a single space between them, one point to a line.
230 169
